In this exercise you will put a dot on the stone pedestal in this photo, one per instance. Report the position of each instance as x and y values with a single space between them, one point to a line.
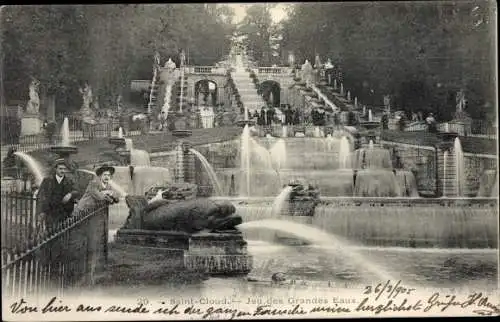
209 253
31 125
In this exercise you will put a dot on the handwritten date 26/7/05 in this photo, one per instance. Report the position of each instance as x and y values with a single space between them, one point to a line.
388 289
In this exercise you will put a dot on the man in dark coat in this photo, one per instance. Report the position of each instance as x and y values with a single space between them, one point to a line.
57 196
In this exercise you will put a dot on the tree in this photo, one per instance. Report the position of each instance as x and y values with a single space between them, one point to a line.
106 45
256 27
412 50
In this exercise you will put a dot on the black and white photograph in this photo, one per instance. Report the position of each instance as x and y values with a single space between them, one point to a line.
267 160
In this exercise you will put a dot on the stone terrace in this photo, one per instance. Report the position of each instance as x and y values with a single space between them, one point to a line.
91 152
470 144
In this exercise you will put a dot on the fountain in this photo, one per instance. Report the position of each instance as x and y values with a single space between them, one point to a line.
34 167
320 238
211 173
344 153
206 243
459 167
64 149
245 160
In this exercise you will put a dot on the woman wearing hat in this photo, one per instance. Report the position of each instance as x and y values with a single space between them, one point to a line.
99 189
98 193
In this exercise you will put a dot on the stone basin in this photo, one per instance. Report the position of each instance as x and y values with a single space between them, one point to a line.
117 141
370 125
64 151
182 133
242 123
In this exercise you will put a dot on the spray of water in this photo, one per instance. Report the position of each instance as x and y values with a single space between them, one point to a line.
460 167
166 104
65 141
445 174
278 154
320 238
370 115
33 165
281 201
139 158
210 171
120 132
344 153
245 159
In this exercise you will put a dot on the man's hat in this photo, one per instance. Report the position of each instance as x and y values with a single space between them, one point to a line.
59 162
103 169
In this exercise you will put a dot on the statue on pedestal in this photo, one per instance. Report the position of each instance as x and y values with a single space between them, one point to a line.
157 60
387 103
182 57
86 111
34 102
460 100
317 62
119 104
460 113
307 72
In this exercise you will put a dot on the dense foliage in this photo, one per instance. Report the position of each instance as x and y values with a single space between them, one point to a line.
106 45
421 53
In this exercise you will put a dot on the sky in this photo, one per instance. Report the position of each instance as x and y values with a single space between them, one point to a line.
277 13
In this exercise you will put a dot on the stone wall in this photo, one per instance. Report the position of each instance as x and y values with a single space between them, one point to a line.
420 161
474 169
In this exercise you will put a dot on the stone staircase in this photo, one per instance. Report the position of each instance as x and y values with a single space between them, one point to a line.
248 93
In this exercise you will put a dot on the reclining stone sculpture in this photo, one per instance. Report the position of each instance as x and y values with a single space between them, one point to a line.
178 211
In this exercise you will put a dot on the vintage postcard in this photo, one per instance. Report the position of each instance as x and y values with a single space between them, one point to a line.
249 160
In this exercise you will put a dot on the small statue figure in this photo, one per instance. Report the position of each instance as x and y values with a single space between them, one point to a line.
328 64
182 57
460 100
157 59
95 101
86 112
291 59
317 62
87 96
387 102
170 65
307 72
34 102
119 105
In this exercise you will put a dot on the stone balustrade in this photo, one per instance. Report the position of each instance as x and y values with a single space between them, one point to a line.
274 70
206 70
